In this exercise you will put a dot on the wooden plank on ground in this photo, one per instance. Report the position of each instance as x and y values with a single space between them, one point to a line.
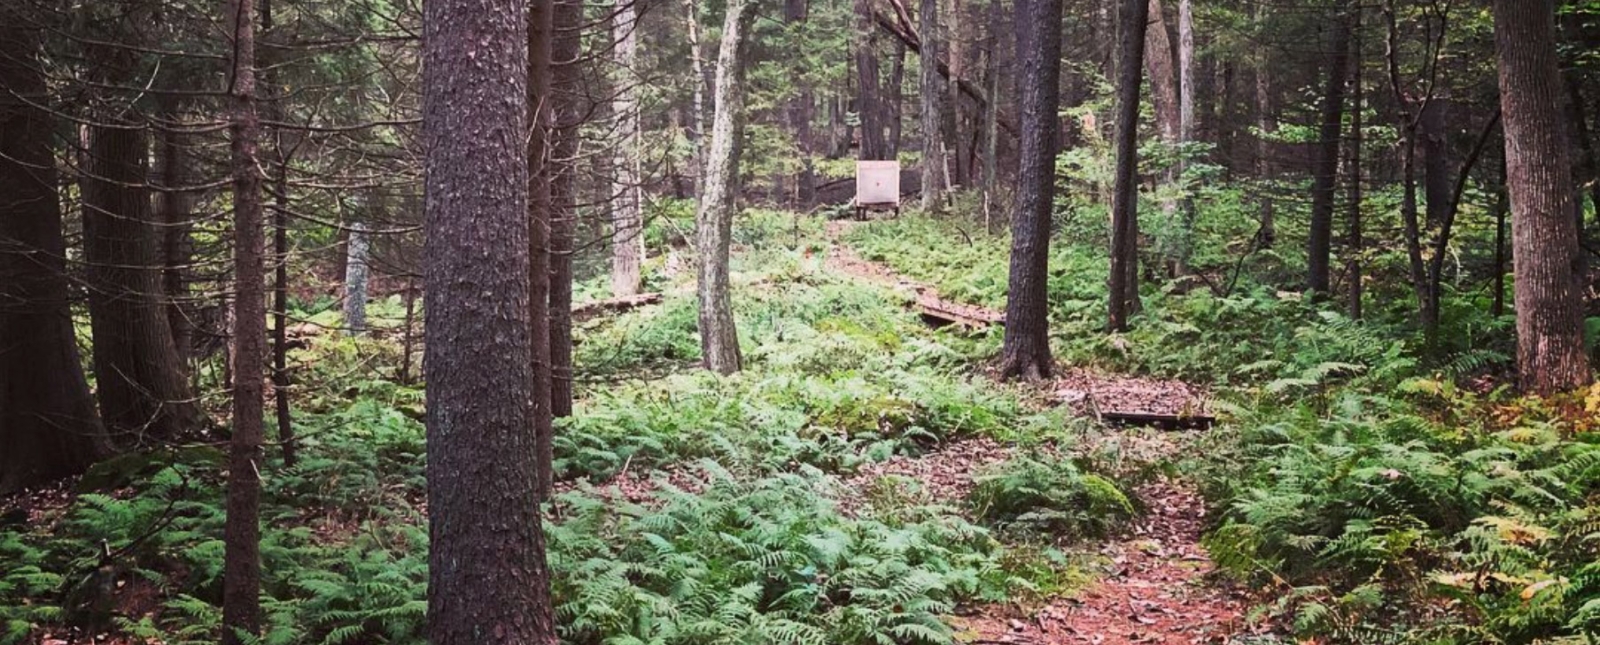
593 308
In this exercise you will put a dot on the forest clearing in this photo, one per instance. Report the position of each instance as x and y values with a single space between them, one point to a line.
814 322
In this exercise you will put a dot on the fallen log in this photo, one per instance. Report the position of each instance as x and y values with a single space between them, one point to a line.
585 310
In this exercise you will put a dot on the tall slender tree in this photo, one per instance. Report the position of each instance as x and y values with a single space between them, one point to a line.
1544 237
566 92
241 581
1325 169
719 340
627 215
931 104
48 424
1026 350
1123 282
541 106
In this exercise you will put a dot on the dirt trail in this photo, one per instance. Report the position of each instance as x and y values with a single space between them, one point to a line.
1156 589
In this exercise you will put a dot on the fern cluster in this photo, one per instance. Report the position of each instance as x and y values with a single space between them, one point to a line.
1386 506
1052 496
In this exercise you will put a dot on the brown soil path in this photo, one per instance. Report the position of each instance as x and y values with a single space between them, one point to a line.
1156 588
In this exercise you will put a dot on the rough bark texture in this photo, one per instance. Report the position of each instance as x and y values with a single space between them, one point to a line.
1026 350
795 13
1163 72
566 83
627 216
357 251
719 341
241 580
280 255
1325 169
869 94
47 417
174 211
1353 241
541 106
140 381
697 69
1549 307
487 578
1124 287
1268 126
932 108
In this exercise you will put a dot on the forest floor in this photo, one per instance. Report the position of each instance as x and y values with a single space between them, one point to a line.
1154 584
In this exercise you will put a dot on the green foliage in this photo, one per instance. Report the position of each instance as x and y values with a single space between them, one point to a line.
768 561
1386 503
1052 496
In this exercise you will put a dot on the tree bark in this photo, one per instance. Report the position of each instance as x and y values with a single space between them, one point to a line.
140 381
1325 170
47 416
869 95
1353 241
961 170
932 109
627 217
1163 75
1549 306
488 582
1123 283
697 69
541 106
795 13
1267 124
566 80
894 114
1025 353
241 580
280 258
175 208
719 340
357 251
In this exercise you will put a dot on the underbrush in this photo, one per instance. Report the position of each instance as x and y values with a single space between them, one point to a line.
1431 515
836 374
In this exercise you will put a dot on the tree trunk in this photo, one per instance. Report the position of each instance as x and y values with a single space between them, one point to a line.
961 171
1163 75
932 91
175 214
357 251
795 13
894 114
1026 350
1123 283
1186 132
280 256
991 127
241 578
1436 176
1549 305
488 583
719 341
869 96
566 83
1353 241
140 381
1268 125
47 417
627 218
697 69
541 107
1325 171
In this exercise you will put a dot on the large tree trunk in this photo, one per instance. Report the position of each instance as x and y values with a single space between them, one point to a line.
932 110
961 165
1549 305
47 417
1123 282
719 341
1163 73
1325 170
174 212
241 579
869 95
488 583
140 380
1026 350
627 216
566 83
541 106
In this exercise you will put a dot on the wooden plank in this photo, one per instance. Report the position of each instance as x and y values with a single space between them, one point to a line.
1160 419
593 308
959 314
